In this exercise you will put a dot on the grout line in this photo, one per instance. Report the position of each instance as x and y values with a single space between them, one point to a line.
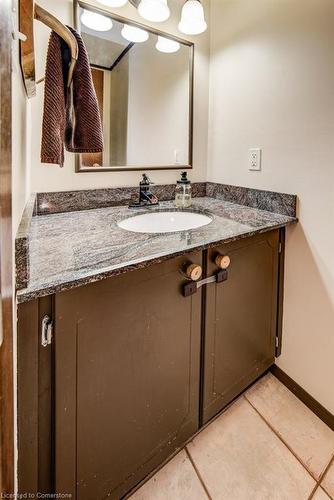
197 472
185 448
322 475
313 491
316 489
326 492
281 439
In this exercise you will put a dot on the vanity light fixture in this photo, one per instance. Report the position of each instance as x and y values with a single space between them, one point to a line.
113 3
133 34
154 10
192 18
95 21
167 45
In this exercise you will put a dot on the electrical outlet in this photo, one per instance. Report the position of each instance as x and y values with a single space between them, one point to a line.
254 159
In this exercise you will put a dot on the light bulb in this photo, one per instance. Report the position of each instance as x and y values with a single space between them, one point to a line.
113 3
133 34
167 45
154 10
192 18
96 21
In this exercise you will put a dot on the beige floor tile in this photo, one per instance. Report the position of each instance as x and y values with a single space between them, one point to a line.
240 458
328 481
309 438
320 495
175 481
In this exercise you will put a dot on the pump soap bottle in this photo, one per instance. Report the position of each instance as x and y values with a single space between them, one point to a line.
183 192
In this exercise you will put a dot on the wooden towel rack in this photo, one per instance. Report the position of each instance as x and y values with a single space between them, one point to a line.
28 11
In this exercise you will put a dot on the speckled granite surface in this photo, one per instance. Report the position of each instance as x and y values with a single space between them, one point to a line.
85 199
280 203
74 248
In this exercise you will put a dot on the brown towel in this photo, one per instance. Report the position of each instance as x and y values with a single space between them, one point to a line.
71 116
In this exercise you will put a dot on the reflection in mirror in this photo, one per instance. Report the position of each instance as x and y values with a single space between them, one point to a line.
143 82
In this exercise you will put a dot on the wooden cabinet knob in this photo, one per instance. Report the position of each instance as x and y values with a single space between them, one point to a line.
194 272
223 261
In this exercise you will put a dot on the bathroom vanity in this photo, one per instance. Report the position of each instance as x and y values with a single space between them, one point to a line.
123 359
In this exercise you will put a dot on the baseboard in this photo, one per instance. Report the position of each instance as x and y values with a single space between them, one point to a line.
304 396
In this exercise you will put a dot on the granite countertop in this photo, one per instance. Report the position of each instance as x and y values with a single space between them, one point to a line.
79 247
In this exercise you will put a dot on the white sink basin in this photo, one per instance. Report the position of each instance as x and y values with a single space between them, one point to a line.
164 222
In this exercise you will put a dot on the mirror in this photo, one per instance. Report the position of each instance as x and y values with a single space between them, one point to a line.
145 94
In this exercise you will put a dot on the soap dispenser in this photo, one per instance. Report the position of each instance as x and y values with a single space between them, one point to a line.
183 192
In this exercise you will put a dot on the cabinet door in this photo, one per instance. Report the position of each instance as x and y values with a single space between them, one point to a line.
240 319
127 367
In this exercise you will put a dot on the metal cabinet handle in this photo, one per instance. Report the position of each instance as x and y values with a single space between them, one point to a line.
192 287
223 261
46 333
194 272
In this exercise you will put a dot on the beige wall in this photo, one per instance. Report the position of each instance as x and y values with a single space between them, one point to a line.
52 178
272 86
162 98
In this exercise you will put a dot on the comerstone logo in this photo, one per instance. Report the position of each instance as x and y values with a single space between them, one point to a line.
19 496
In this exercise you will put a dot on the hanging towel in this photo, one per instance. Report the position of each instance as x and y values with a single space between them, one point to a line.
71 115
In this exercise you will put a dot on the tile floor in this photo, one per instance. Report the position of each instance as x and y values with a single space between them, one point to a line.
266 446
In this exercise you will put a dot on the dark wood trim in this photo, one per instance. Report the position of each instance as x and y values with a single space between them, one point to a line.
35 400
281 266
27 49
122 54
317 408
6 263
46 435
202 348
27 383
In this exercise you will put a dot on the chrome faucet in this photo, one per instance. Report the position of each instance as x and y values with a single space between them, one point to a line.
146 198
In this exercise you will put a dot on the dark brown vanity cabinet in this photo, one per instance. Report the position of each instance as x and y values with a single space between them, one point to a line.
127 364
135 367
240 319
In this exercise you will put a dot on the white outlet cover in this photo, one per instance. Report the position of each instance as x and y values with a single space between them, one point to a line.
255 159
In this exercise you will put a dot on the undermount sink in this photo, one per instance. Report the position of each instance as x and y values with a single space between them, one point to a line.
164 222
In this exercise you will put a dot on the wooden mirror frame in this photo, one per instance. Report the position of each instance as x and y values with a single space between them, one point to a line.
84 169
